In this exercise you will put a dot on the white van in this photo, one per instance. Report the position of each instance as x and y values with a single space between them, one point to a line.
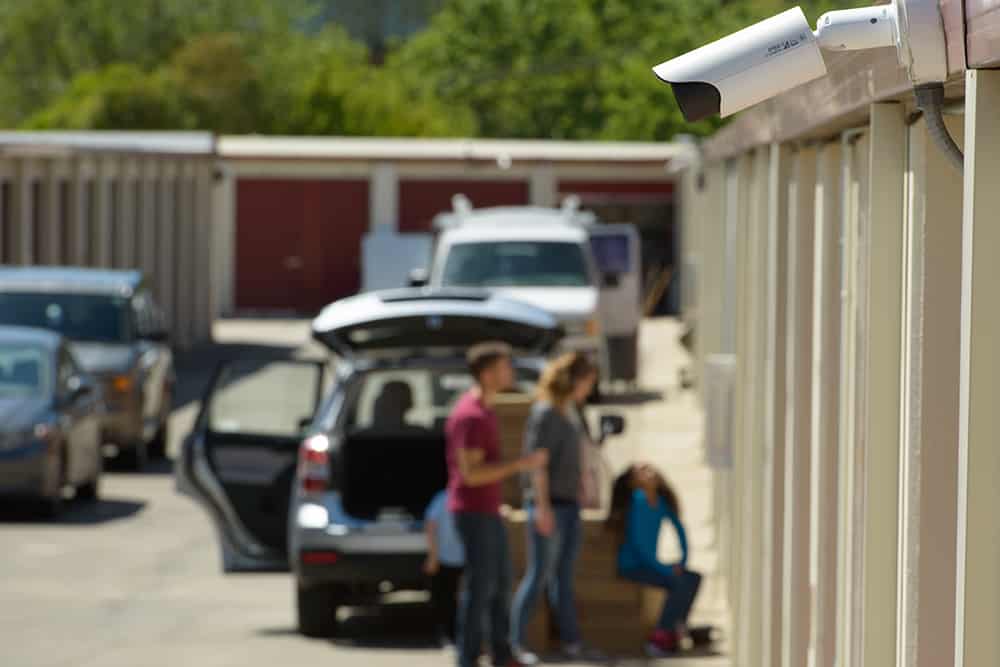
536 255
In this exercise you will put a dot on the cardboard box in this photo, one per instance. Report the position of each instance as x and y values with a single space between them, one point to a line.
512 412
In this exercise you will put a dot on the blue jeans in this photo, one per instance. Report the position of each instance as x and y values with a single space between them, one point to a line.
681 592
486 588
551 564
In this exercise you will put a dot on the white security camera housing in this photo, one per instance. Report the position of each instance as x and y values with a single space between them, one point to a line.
783 52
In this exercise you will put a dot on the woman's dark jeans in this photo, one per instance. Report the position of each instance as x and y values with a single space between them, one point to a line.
681 592
551 566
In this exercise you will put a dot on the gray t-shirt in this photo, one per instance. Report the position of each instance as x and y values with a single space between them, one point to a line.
550 429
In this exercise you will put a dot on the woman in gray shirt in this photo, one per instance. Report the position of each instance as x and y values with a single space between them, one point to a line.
553 495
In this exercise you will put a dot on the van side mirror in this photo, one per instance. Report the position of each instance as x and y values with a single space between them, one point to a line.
611 425
612 280
419 278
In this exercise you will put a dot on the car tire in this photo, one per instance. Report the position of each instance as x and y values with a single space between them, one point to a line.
135 457
158 445
317 610
90 490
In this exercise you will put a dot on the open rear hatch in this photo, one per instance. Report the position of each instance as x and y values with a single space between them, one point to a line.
421 321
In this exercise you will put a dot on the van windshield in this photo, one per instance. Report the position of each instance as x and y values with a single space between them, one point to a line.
516 264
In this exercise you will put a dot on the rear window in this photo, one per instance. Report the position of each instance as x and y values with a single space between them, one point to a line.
24 371
516 264
79 317
416 398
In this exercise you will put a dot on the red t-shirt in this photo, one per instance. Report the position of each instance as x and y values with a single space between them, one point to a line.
472 425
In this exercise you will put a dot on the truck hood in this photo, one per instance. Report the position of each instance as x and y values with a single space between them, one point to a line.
100 358
566 304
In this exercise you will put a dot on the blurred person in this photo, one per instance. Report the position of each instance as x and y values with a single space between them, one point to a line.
475 475
444 564
553 503
641 500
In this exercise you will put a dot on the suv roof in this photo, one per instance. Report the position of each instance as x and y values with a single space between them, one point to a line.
515 215
69 279
29 335
515 227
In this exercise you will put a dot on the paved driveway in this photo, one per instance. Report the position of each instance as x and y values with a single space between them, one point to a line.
135 580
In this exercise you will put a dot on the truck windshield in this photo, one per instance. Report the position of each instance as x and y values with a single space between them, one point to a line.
79 317
516 264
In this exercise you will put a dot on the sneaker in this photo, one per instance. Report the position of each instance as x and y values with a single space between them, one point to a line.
524 657
661 644
582 653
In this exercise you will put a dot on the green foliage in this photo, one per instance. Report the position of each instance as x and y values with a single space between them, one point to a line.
569 69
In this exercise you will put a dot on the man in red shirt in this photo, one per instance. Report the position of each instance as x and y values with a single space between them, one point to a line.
475 474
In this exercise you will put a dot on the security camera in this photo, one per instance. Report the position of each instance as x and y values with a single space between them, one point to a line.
782 52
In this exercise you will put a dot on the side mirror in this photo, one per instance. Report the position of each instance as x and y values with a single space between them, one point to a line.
612 280
419 278
79 387
612 425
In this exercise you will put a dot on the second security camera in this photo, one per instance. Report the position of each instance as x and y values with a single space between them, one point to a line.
782 52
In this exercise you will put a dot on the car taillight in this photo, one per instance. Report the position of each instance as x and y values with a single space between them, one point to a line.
314 464
319 557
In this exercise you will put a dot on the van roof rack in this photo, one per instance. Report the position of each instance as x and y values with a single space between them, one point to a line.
462 212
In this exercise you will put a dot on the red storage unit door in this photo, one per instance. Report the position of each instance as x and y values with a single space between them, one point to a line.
421 199
298 242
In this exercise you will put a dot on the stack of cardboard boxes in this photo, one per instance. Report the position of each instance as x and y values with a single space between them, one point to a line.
616 616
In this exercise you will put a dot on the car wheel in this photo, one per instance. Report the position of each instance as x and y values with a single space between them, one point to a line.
90 491
158 445
135 457
317 609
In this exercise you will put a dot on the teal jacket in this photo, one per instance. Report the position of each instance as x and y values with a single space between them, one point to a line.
642 535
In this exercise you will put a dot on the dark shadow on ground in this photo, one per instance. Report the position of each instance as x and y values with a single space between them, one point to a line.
637 397
196 367
399 626
159 467
75 512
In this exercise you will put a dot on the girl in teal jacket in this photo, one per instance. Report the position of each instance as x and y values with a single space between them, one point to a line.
641 501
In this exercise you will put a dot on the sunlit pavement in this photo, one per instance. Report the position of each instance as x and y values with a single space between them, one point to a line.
135 580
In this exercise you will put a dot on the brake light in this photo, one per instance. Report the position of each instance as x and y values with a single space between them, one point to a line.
319 557
314 464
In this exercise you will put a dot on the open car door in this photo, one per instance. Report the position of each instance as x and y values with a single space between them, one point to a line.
239 461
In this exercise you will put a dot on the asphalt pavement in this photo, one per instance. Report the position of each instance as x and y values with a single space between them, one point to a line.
135 579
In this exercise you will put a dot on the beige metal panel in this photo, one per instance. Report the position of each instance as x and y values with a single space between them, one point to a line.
125 217
102 228
383 196
204 292
929 492
50 228
23 214
982 19
224 240
149 170
825 398
78 216
775 356
543 186
882 416
738 219
709 334
854 231
801 228
754 321
978 642
166 242
184 254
